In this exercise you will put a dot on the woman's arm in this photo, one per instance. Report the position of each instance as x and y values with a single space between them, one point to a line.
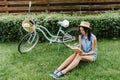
80 45
80 42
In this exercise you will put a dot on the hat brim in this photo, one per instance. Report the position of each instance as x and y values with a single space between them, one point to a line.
85 26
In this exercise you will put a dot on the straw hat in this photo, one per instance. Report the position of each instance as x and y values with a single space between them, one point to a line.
85 24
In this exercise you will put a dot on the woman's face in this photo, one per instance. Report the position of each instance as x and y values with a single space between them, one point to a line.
82 30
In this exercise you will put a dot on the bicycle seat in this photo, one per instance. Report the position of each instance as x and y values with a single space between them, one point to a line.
64 23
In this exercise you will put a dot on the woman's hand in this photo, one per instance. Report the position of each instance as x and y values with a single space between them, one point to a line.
82 53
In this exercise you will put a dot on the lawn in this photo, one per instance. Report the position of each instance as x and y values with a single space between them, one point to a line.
44 58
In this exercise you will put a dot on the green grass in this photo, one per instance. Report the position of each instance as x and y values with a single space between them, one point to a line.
41 61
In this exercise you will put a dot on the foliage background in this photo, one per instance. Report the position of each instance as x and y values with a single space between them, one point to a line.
106 25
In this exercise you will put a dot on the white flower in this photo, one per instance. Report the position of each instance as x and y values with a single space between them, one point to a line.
65 23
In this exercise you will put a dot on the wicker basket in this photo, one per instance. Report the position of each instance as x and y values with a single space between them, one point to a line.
28 25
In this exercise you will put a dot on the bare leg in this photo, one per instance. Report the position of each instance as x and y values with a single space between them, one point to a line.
76 61
87 58
67 62
73 64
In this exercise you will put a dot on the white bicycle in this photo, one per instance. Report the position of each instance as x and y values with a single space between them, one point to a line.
28 42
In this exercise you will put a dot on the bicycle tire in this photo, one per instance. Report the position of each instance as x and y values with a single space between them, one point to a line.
73 39
28 42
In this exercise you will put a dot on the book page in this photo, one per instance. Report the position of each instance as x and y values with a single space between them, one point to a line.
76 49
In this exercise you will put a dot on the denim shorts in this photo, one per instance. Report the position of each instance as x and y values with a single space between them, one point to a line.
94 56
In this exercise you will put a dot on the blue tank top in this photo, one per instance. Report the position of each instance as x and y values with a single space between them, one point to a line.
86 43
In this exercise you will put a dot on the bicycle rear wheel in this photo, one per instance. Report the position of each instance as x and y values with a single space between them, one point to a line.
28 42
71 37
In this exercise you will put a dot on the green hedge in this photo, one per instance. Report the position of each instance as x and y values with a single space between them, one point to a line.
105 25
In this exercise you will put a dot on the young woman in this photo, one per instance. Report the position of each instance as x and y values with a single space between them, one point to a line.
88 43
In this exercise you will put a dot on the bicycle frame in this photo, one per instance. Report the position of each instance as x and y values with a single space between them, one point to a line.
54 38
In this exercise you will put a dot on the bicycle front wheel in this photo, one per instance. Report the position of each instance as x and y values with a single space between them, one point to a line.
70 38
28 42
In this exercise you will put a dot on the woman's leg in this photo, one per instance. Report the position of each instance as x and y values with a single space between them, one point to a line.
76 61
67 62
87 58
73 64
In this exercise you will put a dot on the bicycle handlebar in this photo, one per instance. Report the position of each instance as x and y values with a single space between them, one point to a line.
47 18
44 20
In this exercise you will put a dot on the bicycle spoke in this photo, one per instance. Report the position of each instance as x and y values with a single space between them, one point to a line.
28 42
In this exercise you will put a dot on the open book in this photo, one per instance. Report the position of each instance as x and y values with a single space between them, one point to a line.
75 48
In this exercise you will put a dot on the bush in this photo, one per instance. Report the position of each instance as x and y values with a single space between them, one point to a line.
105 25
